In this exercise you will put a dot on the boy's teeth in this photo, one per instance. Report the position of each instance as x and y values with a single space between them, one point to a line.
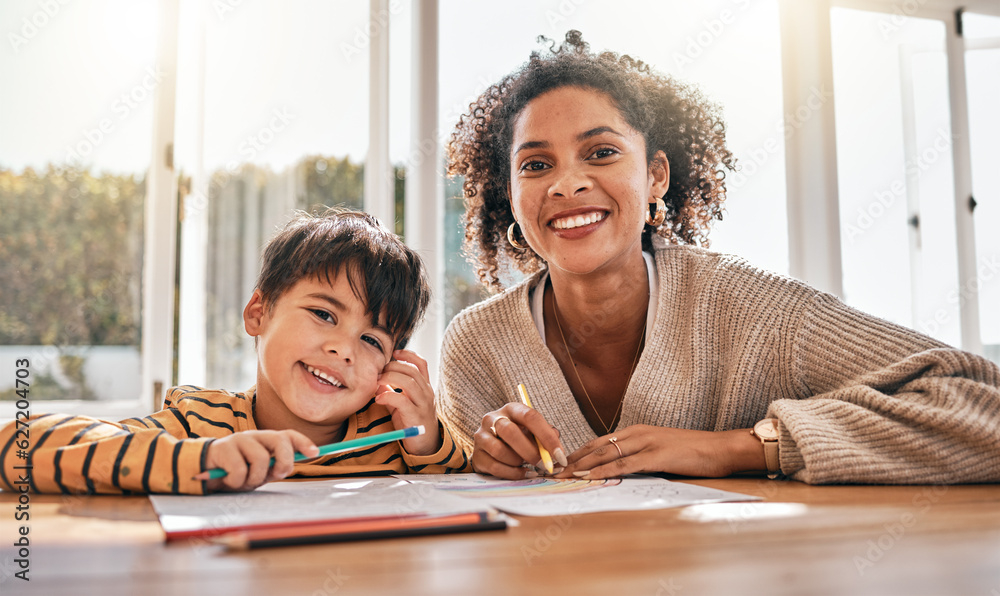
323 376
576 221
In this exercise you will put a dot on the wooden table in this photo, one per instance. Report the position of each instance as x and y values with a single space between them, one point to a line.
801 539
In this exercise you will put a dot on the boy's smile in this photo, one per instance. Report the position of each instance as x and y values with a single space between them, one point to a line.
318 356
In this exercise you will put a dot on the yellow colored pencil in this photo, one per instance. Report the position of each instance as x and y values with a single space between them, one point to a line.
546 458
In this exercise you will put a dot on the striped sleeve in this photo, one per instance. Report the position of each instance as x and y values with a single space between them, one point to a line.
77 454
160 453
449 459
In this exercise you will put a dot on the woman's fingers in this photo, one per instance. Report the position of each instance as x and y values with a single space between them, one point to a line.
506 441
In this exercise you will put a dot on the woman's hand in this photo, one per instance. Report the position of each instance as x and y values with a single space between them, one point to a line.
505 442
409 397
670 450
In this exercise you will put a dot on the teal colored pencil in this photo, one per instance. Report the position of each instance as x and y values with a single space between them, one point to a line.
378 439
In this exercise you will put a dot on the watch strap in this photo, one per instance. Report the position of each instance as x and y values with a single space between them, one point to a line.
771 457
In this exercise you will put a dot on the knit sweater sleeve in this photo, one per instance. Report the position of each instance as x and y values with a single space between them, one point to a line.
468 388
885 404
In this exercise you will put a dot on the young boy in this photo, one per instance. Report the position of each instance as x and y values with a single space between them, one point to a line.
335 303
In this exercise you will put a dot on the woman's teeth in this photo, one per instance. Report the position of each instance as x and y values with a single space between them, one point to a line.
576 221
323 376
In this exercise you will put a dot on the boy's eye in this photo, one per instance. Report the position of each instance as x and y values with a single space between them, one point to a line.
373 341
323 315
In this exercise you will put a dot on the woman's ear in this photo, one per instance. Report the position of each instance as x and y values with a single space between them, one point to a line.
659 175
253 314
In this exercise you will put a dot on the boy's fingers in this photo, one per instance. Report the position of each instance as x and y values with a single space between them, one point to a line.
258 458
397 373
284 461
411 357
302 443
392 400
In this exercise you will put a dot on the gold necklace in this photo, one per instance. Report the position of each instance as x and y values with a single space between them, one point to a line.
621 400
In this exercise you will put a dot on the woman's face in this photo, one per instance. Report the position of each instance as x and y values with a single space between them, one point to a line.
580 183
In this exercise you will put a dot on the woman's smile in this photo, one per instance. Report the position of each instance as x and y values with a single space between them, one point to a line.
580 181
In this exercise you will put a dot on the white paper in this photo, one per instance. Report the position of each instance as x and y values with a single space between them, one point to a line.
546 496
282 502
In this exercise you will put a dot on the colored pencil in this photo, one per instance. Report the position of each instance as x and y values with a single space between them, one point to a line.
345 530
332 448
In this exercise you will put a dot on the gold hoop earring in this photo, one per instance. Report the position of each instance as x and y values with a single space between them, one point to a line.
510 238
661 214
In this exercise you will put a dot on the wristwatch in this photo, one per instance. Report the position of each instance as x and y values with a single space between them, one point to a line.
767 431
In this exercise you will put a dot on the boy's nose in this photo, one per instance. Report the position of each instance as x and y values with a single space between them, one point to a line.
340 350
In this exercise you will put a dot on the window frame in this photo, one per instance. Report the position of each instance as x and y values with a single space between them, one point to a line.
814 223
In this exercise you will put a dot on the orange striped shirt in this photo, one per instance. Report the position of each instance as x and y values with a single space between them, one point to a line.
160 453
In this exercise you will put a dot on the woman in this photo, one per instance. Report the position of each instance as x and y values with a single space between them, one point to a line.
645 353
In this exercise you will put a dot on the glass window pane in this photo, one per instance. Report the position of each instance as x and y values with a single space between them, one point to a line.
284 126
982 64
75 141
895 174
726 49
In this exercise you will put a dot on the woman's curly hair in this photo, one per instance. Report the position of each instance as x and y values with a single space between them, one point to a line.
671 116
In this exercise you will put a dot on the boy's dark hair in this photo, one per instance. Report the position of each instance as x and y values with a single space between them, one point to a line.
671 116
384 273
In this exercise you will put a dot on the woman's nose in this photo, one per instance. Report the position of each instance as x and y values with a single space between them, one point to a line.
570 182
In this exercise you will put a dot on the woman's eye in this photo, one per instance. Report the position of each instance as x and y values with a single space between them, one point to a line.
373 341
534 166
322 314
604 152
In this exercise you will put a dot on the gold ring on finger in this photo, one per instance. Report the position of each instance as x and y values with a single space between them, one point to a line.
614 441
493 427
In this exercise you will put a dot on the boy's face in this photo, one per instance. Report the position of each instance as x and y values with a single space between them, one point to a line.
318 355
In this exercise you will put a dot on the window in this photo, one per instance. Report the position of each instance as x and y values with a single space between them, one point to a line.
272 118
77 135
897 213
982 34
918 205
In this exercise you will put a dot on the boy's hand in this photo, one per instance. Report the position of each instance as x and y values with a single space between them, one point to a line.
410 399
246 458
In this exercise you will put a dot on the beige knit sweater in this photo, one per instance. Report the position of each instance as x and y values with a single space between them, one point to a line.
859 399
